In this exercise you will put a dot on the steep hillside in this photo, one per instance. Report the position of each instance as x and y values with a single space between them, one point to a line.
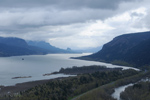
15 46
8 50
12 46
140 54
133 49
13 41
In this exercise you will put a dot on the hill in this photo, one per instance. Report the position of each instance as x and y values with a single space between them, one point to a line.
129 49
49 47
12 46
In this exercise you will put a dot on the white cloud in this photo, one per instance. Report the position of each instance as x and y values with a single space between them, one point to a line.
96 28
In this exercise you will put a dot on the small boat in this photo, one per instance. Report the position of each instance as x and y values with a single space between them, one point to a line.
22 58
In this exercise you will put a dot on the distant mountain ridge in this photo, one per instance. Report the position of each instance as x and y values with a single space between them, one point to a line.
13 41
133 49
12 46
49 47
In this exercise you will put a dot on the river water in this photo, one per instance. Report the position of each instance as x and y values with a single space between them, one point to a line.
118 90
37 65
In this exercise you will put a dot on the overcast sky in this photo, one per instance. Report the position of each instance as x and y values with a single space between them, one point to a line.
76 24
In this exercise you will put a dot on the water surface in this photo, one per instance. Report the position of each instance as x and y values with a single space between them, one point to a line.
37 65
118 90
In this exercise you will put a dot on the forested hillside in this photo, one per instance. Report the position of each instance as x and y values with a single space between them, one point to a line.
139 91
129 49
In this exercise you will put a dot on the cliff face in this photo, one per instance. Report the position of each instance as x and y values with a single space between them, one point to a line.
131 48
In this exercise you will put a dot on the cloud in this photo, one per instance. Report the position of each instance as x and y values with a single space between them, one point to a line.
43 17
35 13
84 23
147 19
63 4
55 12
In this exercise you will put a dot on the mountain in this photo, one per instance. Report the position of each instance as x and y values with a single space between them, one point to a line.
129 49
49 47
13 41
12 46
15 46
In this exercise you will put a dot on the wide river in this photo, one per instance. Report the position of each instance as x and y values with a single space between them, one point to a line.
37 65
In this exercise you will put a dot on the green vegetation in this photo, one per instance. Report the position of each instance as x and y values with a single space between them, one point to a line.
66 88
139 91
104 92
120 62
126 49
86 69
83 70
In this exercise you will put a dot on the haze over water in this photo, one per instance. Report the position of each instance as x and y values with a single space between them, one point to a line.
37 65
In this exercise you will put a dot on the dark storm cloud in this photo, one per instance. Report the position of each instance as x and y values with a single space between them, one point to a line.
42 17
64 4
35 13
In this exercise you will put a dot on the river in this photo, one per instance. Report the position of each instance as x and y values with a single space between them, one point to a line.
118 90
37 65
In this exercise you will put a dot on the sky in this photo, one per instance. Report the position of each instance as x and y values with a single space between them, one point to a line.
77 24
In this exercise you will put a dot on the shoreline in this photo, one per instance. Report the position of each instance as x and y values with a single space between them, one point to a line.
8 90
87 59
